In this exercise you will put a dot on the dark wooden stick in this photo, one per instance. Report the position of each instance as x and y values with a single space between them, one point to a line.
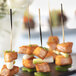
11 29
50 19
29 35
40 27
62 22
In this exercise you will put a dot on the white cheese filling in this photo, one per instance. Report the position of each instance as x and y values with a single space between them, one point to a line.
27 56
9 65
64 54
48 59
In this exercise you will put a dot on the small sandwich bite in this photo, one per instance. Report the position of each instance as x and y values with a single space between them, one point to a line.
28 63
27 49
52 42
53 39
10 56
6 72
30 49
52 45
43 67
65 47
9 69
40 52
61 60
22 50
51 53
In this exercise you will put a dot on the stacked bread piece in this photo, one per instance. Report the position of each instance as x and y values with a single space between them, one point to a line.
52 43
28 57
63 59
42 66
9 69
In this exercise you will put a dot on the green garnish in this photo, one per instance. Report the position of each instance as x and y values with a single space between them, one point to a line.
30 45
64 54
62 68
58 53
66 66
24 69
37 61
7 51
44 48
42 74
13 51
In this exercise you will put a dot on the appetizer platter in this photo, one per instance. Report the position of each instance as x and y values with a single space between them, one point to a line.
56 60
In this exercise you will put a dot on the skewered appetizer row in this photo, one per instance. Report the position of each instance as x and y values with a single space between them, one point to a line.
41 63
9 69
30 62
63 58
28 57
61 54
52 43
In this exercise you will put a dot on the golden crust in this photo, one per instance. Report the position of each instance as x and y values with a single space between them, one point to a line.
52 45
28 63
40 52
50 53
61 60
53 39
52 42
7 72
27 49
22 50
43 67
10 56
65 47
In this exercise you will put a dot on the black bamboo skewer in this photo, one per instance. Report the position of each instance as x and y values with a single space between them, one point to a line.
50 22
11 29
29 35
40 27
50 19
62 22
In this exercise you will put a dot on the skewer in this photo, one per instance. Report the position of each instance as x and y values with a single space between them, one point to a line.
62 22
50 19
11 29
50 23
29 26
40 27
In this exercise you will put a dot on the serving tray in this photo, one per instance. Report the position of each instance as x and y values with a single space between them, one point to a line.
71 72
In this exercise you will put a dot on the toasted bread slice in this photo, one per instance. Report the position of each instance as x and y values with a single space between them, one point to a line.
27 49
7 72
53 39
61 60
22 50
40 52
52 45
65 47
10 56
52 42
28 63
43 67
